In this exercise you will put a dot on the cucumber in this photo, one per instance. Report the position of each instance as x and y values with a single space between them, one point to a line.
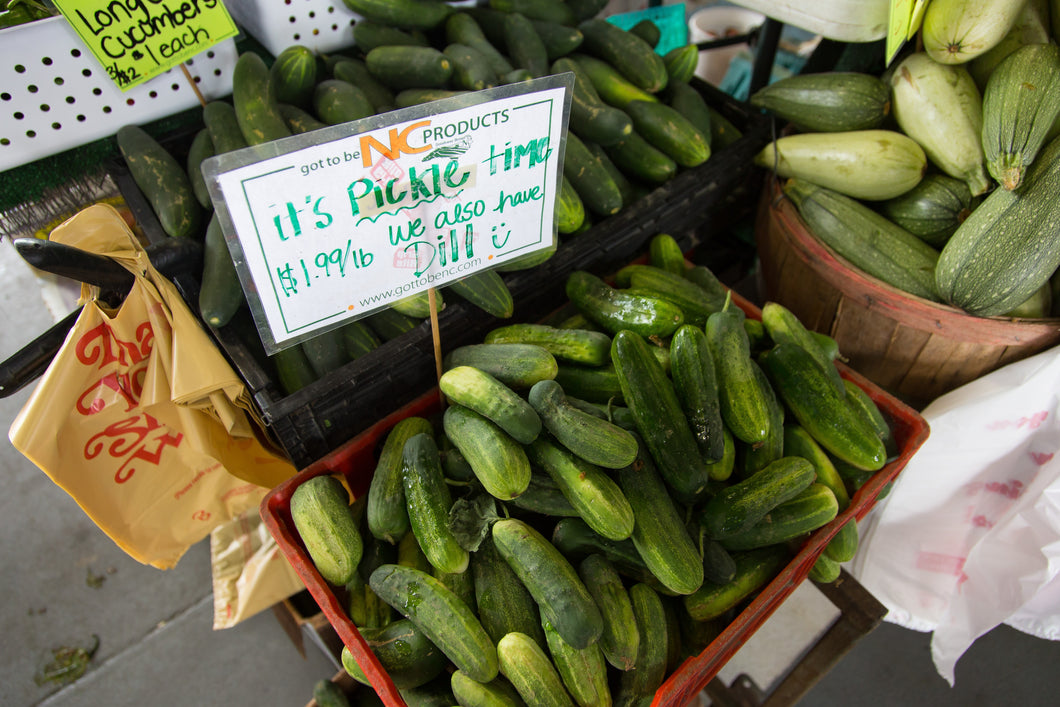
583 671
336 101
441 615
723 468
417 305
957 31
498 461
616 310
831 102
201 148
844 544
690 103
428 502
255 101
389 323
326 352
744 405
320 510
486 290
462 28
504 604
612 87
939 106
529 669
407 655
585 9
631 56
471 69
593 384
1021 104
300 121
859 399
403 14
472 693
576 540
718 565
518 366
597 190
401 67
813 401
220 120
419 96
664 252
386 513
659 533
570 209
648 31
810 509
621 636
625 187
868 240
560 594
695 382
798 442
163 181
542 497
368 35
825 570
559 39
649 670
524 45
739 506
681 63
220 291
590 438
864 164
752 458
589 490
293 369
355 71
668 130
784 327
652 400
590 118
932 210
479 391
295 75
641 160
697 303
754 569
547 10
582 346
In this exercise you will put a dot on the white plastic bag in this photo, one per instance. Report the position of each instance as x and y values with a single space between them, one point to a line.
969 537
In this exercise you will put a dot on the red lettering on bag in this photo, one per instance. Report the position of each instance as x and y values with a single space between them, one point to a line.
100 346
129 440
1041 458
128 385
1033 421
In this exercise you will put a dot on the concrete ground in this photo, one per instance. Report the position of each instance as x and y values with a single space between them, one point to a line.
63 582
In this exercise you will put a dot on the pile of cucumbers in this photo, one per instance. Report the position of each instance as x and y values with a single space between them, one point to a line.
602 491
941 177
635 123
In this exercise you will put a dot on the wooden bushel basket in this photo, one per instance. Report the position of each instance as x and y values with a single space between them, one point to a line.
913 348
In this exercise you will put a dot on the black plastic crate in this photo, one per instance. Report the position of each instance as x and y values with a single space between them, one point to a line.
323 415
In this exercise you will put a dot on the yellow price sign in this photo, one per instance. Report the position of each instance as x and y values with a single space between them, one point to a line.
136 40
902 25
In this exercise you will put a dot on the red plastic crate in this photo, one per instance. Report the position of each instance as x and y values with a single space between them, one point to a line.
356 462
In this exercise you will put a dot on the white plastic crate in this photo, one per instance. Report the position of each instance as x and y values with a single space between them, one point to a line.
55 95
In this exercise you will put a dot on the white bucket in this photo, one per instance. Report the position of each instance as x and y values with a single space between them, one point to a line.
716 23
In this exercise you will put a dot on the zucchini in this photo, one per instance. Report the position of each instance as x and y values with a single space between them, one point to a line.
428 502
220 291
615 310
659 533
590 118
1003 252
655 407
1021 104
518 366
255 101
386 512
744 405
355 71
696 385
610 85
163 181
594 185
581 346
295 74
403 14
864 164
529 669
336 101
441 615
320 510
549 577
939 106
471 70
498 460
813 401
631 56
868 240
621 636
1031 27
805 512
589 490
479 391
831 102
401 67
462 28
932 210
740 506
504 604
957 31
591 438
201 148
486 290
524 45
754 569
407 655
583 671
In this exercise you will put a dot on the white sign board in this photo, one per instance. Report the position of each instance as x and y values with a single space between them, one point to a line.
331 225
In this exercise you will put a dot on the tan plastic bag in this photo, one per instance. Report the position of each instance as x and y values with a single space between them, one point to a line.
139 417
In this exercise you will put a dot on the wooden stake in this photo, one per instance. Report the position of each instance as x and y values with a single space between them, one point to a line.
432 300
194 86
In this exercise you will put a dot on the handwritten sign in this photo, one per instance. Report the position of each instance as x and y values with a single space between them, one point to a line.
335 224
136 40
